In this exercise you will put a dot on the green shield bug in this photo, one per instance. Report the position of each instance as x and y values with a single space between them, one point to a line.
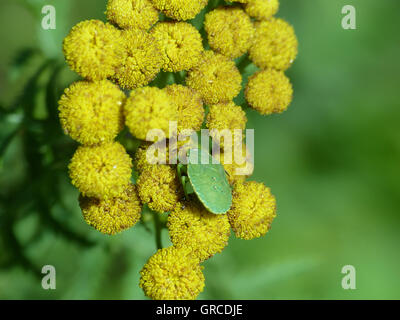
209 181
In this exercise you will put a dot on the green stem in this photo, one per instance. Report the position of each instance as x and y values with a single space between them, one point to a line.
157 228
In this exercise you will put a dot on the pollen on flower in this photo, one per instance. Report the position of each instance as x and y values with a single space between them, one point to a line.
269 91
275 45
237 161
149 154
253 209
91 112
94 49
230 31
181 45
149 108
141 62
261 9
189 105
225 118
180 9
129 14
190 225
159 187
172 274
101 171
216 78
113 215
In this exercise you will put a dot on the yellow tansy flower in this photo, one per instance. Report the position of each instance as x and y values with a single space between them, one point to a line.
102 171
181 45
269 91
149 108
128 14
190 106
159 187
111 216
172 274
180 9
275 45
145 158
230 31
91 112
262 9
225 116
142 60
94 49
190 225
253 209
237 168
216 78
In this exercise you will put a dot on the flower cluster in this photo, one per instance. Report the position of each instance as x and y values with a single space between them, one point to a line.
118 100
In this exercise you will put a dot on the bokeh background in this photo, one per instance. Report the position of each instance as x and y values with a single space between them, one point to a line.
332 160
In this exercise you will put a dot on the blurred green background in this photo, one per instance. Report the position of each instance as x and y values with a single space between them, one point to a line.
332 160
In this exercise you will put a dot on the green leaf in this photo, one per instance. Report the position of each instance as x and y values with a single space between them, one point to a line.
209 181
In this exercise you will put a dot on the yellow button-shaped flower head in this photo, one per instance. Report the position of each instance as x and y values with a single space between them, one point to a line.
110 216
190 107
149 108
142 60
237 161
190 225
101 171
253 209
230 31
261 9
223 119
149 154
172 274
180 9
181 45
128 14
275 45
94 49
269 91
159 187
91 112
216 78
